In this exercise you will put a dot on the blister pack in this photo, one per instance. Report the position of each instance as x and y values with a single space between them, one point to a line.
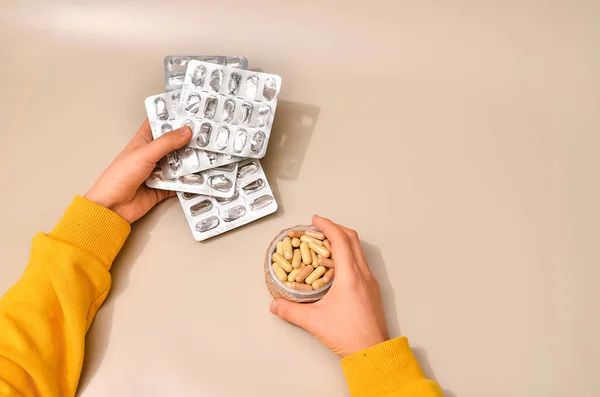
231 110
175 66
161 115
218 182
253 199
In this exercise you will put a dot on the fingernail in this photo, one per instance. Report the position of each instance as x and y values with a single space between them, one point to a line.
273 307
185 131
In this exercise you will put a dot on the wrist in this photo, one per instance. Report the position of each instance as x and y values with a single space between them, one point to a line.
367 343
99 199
107 203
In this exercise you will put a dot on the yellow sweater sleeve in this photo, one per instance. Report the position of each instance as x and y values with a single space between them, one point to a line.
388 369
44 317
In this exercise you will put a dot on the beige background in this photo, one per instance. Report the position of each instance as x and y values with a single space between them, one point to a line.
459 138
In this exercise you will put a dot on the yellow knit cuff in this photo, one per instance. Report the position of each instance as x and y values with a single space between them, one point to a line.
93 228
381 368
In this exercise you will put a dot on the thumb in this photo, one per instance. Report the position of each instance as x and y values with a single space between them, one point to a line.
165 144
300 314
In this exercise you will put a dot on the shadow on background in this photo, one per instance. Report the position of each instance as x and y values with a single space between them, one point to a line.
98 336
293 127
421 356
377 265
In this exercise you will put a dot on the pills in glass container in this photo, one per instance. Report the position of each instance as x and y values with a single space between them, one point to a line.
302 260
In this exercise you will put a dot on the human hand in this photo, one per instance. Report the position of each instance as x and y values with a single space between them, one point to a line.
350 317
121 187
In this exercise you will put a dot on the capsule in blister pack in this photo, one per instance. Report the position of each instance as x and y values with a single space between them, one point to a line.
218 182
253 199
234 108
161 115
175 66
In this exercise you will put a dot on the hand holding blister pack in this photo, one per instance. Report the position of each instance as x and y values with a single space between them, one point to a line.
161 115
219 181
231 110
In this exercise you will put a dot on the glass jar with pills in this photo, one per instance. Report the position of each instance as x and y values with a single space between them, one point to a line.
299 264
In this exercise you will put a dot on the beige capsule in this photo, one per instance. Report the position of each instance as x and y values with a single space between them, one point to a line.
328 276
315 275
308 240
279 249
325 262
315 234
288 284
288 250
295 242
279 272
305 252
327 244
318 283
315 258
295 233
301 287
296 259
292 276
281 261
302 274
319 249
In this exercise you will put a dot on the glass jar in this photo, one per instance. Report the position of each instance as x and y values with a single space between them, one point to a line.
279 289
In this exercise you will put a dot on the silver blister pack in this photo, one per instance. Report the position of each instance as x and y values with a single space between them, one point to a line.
175 66
232 109
161 115
253 199
218 182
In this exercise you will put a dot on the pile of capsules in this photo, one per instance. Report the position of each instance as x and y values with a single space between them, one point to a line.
218 177
302 260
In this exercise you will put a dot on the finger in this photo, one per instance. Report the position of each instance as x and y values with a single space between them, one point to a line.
296 313
145 132
333 232
165 144
163 194
340 244
148 197
356 247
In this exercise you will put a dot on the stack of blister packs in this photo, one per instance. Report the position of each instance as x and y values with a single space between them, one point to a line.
218 178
